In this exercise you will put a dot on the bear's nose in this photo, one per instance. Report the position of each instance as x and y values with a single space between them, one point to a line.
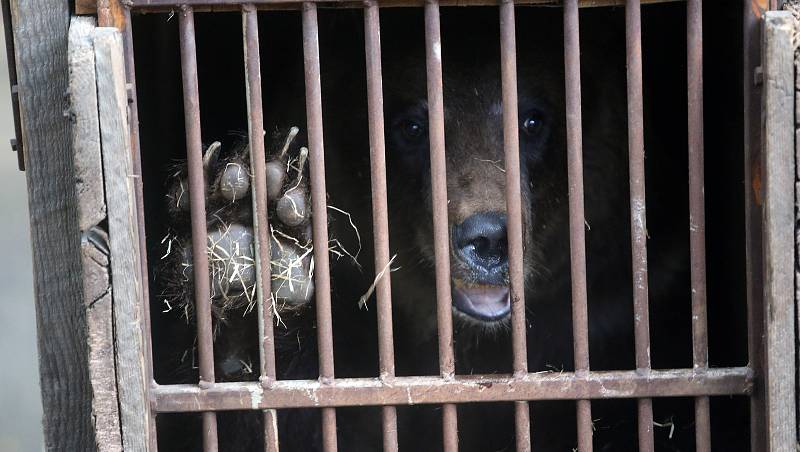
481 242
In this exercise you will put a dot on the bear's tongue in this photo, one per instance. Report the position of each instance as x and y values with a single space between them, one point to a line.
486 303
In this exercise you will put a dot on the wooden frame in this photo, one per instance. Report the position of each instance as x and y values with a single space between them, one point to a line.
779 222
40 34
72 257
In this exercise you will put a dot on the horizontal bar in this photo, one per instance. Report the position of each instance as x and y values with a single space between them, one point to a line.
459 389
236 5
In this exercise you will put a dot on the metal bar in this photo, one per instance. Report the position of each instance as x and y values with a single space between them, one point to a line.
697 222
380 212
577 221
255 110
508 58
460 389
235 5
441 235
320 217
633 26
133 124
17 144
753 197
194 157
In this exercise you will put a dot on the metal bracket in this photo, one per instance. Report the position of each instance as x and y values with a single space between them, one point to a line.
16 142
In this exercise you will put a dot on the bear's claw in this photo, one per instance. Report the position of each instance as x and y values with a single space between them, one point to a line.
231 239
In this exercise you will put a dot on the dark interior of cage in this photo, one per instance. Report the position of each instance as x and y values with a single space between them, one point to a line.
470 58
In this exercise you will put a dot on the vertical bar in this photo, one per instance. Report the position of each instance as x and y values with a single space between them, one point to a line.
441 236
316 159
752 172
697 222
133 119
380 211
508 68
577 221
633 26
17 143
752 167
194 151
252 62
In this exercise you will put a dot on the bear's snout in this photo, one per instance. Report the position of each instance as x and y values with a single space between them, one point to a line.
480 243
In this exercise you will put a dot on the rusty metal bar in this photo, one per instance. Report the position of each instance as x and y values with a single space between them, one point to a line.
255 110
577 220
194 158
751 32
235 5
319 208
17 144
133 125
508 58
441 234
633 28
460 389
380 212
697 222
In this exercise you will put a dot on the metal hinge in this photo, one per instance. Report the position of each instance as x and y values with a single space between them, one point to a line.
16 142
758 76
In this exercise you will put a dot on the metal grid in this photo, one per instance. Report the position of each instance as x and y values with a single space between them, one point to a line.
447 389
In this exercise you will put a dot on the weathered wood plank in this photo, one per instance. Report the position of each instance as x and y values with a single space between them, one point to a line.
794 9
99 316
779 176
85 124
94 243
85 7
40 33
124 238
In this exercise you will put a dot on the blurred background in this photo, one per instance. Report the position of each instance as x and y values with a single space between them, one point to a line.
20 418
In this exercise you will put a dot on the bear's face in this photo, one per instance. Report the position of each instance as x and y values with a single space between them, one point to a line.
476 182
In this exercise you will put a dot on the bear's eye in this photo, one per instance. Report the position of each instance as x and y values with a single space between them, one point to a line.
533 124
412 130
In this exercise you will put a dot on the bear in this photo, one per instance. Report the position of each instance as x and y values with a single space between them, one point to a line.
477 237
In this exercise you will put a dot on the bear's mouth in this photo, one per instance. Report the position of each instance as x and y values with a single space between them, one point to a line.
482 302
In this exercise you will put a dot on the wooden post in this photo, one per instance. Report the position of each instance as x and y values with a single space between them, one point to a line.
97 295
40 33
794 9
132 382
778 227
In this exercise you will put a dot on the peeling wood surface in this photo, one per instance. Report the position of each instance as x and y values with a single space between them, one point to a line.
85 124
40 33
97 295
794 9
99 316
779 226
85 7
124 238
110 13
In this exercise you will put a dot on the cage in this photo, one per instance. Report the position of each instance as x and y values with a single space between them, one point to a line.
503 159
